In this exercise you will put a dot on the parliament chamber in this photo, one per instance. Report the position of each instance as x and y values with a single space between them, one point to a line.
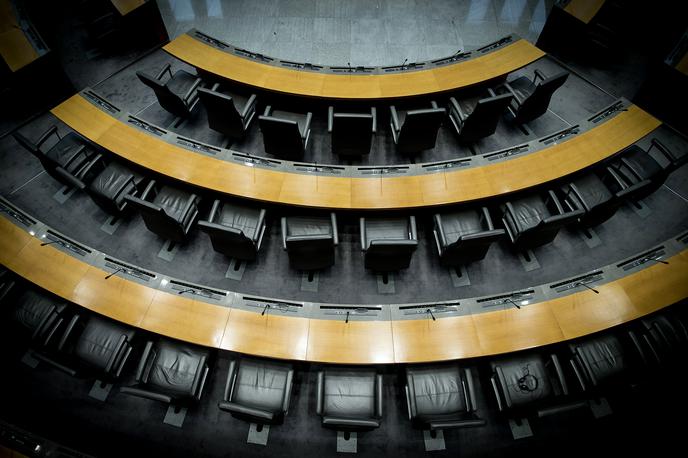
315 227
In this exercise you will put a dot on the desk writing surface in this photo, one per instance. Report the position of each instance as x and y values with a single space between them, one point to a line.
316 190
12 240
422 340
16 49
355 342
270 335
186 319
115 297
584 10
387 192
127 6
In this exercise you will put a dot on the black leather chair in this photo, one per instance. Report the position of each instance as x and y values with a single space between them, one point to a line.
258 391
349 399
530 99
70 157
285 134
352 133
166 211
178 94
441 397
464 236
310 241
228 113
638 167
37 317
602 361
8 283
112 184
667 339
416 130
388 243
530 382
171 372
535 220
474 119
235 230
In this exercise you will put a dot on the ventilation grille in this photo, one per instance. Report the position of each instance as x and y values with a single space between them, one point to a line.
404 67
141 124
607 112
251 160
427 308
252 55
280 306
455 58
447 165
505 298
100 101
301 65
129 269
497 44
506 153
313 168
358 69
578 281
568 132
648 256
192 144
66 243
189 288
383 170
210 40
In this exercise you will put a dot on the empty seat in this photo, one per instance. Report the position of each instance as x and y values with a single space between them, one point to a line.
178 94
531 99
257 390
530 382
235 230
228 113
166 211
388 243
464 236
637 166
441 397
352 133
285 134
600 361
416 130
171 372
69 157
667 338
37 316
535 220
349 399
310 241
112 184
474 119
598 196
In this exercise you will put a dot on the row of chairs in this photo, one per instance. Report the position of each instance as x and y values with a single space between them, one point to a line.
286 134
462 236
348 399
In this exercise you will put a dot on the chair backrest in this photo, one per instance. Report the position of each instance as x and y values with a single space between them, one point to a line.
419 131
310 252
281 137
389 255
167 99
222 113
158 221
547 229
472 247
484 118
229 241
352 133
537 103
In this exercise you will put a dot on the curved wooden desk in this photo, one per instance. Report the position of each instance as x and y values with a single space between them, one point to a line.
353 86
448 187
334 341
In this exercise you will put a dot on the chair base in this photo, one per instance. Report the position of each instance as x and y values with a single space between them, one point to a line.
168 250
434 443
111 225
30 360
385 283
100 390
528 260
459 276
64 194
640 209
258 437
236 269
345 445
590 237
175 416
520 428
600 407
309 281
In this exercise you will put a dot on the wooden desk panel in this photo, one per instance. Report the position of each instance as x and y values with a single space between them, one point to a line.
12 241
127 6
269 335
422 340
337 86
355 342
186 319
584 10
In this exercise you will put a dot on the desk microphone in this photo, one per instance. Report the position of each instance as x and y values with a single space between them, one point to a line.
515 304
403 66
51 242
658 260
347 317
267 306
119 269
348 64
431 314
591 289
187 290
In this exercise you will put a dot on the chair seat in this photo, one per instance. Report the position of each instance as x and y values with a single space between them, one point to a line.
455 225
64 150
592 190
298 226
523 381
528 212
299 118
175 368
603 357
523 87
437 392
99 342
241 218
32 309
260 385
642 163
173 201
180 82
386 229
109 183
349 394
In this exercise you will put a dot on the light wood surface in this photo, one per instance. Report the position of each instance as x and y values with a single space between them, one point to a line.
127 6
505 329
15 47
336 86
386 192
584 10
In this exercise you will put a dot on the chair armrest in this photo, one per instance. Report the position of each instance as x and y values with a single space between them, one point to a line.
666 152
350 422
320 392
206 371
144 359
540 75
213 211
629 165
47 135
150 188
307 126
576 371
146 394
250 105
252 411
471 390
330 118
413 232
113 356
69 178
439 230
96 160
283 223
287 390
511 90
493 382
408 401
229 385
378 394
335 232
560 373
259 225
555 200
373 112
394 118
267 110
488 218
190 202
167 68
65 335
362 228
636 343
491 92
455 105
187 97
446 424
574 189
200 369
433 104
